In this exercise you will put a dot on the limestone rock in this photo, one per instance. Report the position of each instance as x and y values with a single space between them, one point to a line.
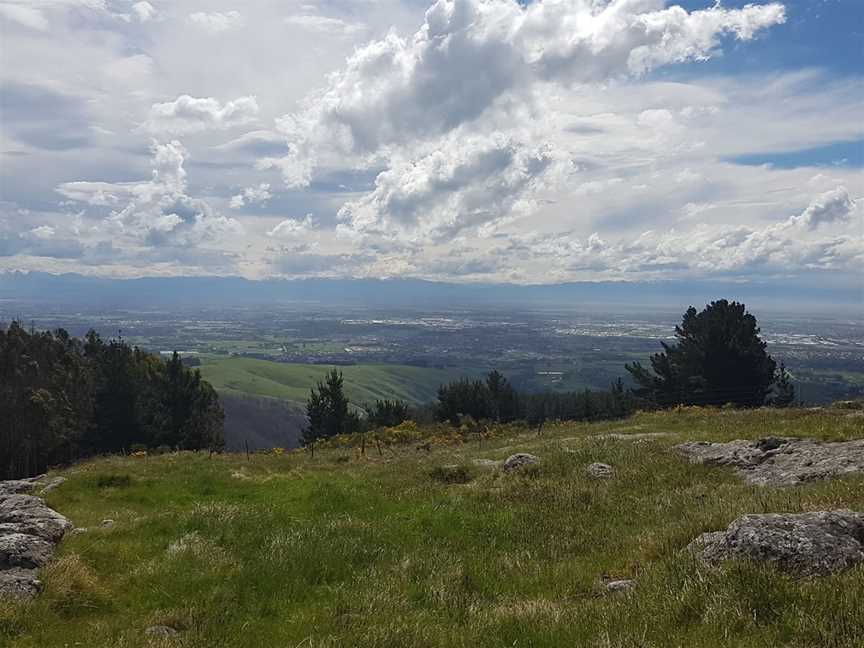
780 461
22 550
33 515
29 531
519 460
600 470
160 631
624 585
51 484
15 487
19 583
804 544
106 524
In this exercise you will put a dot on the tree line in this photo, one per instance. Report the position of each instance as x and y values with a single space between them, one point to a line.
491 399
718 358
63 398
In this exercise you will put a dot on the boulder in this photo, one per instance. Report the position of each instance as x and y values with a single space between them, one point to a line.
624 585
19 583
160 631
15 487
803 544
22 550
600 470
33 516
779 461
29 532
519 460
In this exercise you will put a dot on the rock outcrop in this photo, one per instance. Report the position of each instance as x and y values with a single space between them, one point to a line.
600 470
780 461
520 460
29 532
803 544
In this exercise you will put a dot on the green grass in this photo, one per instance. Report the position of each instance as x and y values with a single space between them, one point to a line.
292 382
381 551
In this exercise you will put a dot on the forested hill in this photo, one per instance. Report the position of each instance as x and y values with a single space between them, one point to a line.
63 399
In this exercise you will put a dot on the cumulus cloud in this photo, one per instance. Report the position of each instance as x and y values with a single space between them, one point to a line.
290 228
251 195
442 110
157 212
449 189
470 53
144 11
216 22
194 114
831 207
712 250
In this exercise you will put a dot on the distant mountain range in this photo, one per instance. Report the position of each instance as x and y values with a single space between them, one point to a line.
63 291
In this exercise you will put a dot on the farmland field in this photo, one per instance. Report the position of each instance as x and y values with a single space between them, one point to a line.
292 382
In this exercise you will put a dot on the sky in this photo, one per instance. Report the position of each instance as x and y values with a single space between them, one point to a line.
459 140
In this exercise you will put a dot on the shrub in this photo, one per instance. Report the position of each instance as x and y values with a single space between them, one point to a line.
451 474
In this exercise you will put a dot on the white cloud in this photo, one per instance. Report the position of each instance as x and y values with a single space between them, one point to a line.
833 206
30 17
144 11
779 248
470 53
42 232
158 212
325 25
462 95
194 114
216 22
452 187
34 13
525 135
251 195
290 227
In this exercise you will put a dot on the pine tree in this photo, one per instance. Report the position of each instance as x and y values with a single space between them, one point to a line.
784 388
718 358
328 410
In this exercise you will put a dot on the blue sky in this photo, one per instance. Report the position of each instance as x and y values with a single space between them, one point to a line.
456 140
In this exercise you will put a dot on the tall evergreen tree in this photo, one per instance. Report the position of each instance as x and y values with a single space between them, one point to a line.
386 413
328 410
718 358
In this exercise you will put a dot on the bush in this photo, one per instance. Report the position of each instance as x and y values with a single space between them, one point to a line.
451 474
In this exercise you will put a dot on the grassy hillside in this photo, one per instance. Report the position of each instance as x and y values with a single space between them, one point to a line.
292 382
343 550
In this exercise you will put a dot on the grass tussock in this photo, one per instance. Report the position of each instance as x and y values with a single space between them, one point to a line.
440 547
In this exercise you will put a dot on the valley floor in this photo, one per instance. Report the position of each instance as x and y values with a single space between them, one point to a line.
347 550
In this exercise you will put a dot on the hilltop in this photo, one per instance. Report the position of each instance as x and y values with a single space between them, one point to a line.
427 542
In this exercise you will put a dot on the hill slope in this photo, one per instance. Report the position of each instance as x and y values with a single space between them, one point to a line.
347 550
292 382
